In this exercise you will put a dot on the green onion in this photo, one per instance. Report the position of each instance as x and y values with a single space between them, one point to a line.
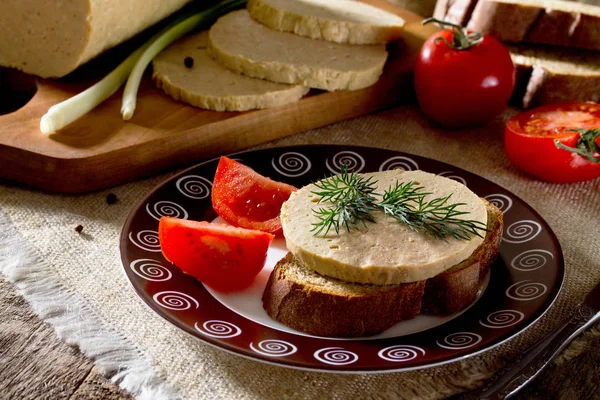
196 21
64 113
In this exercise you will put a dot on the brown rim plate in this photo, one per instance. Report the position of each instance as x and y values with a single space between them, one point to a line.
524 281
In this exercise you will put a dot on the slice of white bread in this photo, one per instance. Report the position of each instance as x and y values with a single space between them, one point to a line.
205 83
51 39
323 306
546 76
250 48
339 21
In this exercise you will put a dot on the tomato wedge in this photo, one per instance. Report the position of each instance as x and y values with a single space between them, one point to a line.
529 141
244 198
223 257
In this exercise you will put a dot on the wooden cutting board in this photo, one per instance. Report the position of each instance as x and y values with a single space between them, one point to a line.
101 150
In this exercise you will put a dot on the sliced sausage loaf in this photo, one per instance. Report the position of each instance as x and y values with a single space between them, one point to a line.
52 38
250 48
340 21
186 72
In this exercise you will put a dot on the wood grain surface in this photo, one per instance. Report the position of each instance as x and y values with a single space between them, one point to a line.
101 150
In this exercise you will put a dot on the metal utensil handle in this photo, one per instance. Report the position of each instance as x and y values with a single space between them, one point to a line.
517 374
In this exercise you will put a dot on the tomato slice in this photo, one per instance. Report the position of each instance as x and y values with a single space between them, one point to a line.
225 258
529 141
244 198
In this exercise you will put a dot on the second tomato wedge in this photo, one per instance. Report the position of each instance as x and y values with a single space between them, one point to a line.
244 198
222 257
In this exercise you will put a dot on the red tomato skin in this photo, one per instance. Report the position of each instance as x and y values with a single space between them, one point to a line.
222 257
463 88
244 198
539 156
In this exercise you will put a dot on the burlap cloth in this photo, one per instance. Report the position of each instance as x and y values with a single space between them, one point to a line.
76 281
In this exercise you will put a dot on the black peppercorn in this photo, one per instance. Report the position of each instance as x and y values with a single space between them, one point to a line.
79 228
111 198
188 62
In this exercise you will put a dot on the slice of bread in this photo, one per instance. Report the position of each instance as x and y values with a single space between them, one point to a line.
250 48
454 289
308 302
557 23
339 21
206 84
546 76
323 306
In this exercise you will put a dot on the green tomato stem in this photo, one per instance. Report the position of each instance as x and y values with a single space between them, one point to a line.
461 39
586 146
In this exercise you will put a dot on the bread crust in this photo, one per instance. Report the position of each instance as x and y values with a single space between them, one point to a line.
453 290
324 313
365 309
540 85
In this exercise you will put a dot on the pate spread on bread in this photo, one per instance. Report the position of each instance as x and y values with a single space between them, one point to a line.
385 252
314 302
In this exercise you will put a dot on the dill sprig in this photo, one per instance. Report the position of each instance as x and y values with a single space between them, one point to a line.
353 201
352 198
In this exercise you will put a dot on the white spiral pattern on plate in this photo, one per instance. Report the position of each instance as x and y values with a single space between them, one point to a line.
502 319
460 340
166 208
449 175
150 270
175 300
400 353
396 162
502 201
335 356
146 240
274 348
218 329
530 260
354 161
522 231
194 186
526 290
291 164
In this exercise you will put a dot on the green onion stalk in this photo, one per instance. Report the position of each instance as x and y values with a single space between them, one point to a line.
131 70
195 22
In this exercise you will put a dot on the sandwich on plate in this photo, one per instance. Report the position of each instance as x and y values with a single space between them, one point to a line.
367 251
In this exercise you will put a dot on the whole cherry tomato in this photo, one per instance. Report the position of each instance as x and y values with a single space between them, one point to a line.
243 197
463 79
557 143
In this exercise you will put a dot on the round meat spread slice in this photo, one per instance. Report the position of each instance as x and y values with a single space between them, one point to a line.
384 252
